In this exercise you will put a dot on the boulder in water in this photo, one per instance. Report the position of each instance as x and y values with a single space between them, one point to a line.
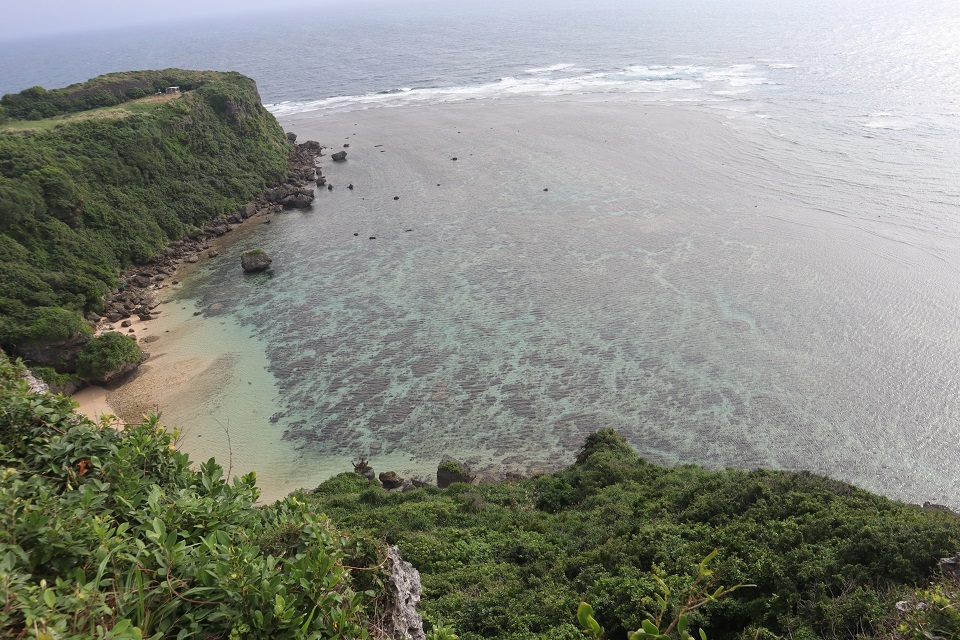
255 260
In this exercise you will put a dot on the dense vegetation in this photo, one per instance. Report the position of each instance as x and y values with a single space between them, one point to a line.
85 196
514 560
104 91
110 534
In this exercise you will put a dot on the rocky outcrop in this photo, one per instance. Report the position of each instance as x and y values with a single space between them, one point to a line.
36 384
61 355
290 196
391 480
402 619
951 567
255 260
118 375
450 470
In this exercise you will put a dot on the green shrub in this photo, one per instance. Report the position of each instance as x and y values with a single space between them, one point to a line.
106 353
931 613
43 324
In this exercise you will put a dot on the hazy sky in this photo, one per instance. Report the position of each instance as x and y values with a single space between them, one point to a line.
45 17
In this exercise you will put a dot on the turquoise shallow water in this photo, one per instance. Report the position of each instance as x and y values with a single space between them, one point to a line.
644 290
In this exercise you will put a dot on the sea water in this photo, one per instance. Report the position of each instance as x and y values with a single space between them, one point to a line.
729 231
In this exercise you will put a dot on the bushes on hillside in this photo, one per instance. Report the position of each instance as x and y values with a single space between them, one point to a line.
514 560
109 534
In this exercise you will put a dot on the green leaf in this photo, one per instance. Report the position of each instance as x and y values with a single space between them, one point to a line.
650 628
682 623
50 598
703 635
587 621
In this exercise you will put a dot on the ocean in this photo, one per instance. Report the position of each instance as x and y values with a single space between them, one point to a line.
729 230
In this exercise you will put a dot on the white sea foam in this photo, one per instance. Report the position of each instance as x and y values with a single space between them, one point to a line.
555 67
667 82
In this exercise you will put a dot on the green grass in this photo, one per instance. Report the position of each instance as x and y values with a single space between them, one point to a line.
140 106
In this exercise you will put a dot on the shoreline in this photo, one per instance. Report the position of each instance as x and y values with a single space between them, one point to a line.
132 309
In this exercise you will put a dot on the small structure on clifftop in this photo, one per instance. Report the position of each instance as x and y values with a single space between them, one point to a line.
255 260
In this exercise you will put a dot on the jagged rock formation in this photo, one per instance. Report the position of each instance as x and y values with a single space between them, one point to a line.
402 618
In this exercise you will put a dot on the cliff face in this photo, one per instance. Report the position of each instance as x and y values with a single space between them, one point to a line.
86 193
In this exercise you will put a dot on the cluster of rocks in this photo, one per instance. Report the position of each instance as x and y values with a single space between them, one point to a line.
448 471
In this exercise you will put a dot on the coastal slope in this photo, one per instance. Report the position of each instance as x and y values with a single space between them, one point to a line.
103 174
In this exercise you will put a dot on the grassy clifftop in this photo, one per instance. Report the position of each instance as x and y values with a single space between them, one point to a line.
102 174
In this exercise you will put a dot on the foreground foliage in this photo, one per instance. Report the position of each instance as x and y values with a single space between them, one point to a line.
90 196
515 560
109 534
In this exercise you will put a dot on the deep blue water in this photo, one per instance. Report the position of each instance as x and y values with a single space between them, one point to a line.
761 271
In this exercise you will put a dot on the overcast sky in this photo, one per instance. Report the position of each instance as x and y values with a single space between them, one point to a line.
31 18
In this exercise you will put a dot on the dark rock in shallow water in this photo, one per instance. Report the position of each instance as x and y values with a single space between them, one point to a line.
390 480
255 260
301 200
450 470
339 156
